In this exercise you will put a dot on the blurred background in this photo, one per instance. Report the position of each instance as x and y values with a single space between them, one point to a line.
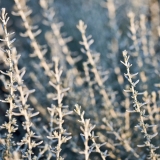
115 25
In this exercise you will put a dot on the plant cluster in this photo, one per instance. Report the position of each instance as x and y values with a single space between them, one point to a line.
84 105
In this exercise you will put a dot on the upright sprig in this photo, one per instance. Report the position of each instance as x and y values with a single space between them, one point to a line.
25 110
88 134
86 43
11 125
139 108
58 113
39 51
58 43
